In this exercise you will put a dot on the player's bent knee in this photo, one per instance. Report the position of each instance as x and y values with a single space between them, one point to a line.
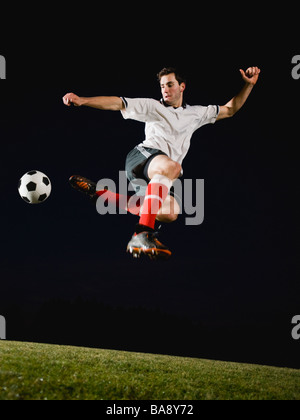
162 165
177 170
173 170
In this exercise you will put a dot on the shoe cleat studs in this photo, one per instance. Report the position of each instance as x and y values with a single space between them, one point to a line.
146 244
134 252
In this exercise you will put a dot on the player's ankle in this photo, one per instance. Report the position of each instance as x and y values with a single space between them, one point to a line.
142 228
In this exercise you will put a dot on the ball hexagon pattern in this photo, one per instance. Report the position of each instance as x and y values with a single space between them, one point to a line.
34 187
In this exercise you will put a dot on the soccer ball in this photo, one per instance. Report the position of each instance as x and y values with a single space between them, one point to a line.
34 187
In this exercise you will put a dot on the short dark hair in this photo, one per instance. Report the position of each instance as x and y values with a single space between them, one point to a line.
169 70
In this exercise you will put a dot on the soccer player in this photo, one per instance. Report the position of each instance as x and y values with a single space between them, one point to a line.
170 124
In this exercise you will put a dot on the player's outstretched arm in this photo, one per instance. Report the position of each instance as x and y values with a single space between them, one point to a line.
106 103
250 78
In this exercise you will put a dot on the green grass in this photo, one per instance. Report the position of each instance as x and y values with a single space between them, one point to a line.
39 371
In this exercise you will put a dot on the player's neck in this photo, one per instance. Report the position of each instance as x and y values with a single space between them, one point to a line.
178 103
175 104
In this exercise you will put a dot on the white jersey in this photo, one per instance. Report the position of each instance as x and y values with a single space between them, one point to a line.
169 129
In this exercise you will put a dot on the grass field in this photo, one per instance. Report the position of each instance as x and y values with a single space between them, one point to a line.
39 371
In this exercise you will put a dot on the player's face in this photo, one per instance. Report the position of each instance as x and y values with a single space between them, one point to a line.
171 90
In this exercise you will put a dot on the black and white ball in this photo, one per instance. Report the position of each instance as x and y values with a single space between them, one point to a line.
34 187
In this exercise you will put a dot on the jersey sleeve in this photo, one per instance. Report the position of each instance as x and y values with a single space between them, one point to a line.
207 114
143 110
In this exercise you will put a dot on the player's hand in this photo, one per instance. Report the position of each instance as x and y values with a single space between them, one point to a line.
251 75
72 99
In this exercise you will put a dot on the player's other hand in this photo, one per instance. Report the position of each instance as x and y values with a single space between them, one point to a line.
251 75
72 99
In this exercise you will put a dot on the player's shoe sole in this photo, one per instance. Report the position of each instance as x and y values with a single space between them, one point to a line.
84 185
146 243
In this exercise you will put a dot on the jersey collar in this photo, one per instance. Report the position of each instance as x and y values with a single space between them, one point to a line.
168 106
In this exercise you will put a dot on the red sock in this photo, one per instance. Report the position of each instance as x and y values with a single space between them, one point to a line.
124 202
156 194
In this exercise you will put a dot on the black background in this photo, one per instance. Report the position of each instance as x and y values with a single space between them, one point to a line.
232 287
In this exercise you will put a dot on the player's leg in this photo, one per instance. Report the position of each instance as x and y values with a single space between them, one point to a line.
89 188
162 171
169 211
165 166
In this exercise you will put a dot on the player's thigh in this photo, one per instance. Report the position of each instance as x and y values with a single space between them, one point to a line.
163 165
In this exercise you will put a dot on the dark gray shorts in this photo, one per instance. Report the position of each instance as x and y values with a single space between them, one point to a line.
137 165
138 161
